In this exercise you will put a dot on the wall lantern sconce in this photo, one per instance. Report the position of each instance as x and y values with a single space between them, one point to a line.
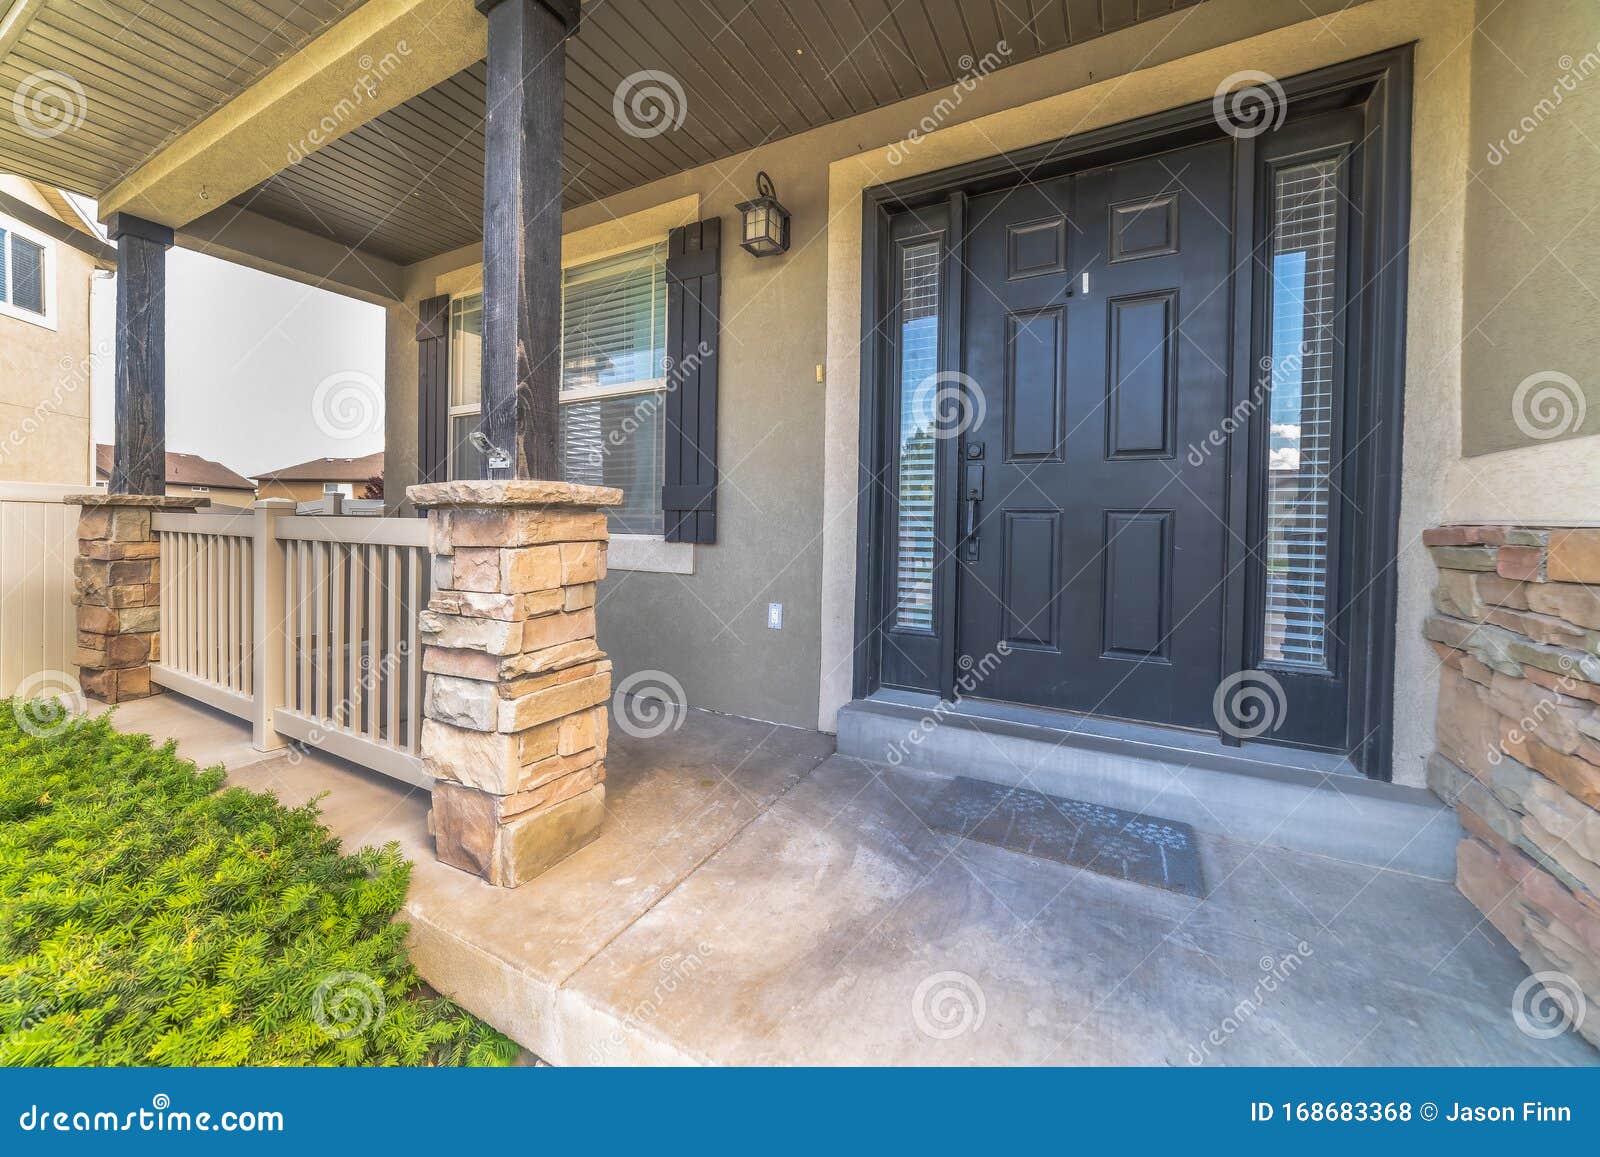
766 222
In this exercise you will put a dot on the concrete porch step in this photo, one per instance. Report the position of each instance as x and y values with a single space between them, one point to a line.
1248 794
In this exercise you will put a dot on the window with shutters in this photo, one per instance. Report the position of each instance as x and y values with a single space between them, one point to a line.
918 362
1304 271
613 382
27 274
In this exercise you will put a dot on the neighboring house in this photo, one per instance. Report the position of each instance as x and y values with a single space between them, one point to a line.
50 254
191 476
309 481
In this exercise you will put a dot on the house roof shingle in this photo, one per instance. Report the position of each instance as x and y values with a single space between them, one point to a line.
182 470
329 470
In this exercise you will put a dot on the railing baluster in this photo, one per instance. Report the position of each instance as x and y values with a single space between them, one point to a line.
392 658
307 704
334 708
373 684
353 654
414 652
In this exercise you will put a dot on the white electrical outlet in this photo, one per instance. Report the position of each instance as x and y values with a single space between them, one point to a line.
775 616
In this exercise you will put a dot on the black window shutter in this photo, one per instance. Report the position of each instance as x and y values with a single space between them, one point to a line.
433 390
694 296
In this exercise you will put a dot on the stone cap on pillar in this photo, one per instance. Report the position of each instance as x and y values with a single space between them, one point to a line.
511 492
146 501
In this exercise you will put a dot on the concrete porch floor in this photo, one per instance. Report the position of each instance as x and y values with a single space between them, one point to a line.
757 899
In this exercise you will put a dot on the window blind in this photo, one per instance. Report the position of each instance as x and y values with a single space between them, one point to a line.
1305 205
614 320
914 485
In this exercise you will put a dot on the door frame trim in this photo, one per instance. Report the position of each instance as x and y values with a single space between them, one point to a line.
1383 83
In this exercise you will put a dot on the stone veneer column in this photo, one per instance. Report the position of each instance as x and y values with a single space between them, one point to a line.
117 590
514 726
1517 631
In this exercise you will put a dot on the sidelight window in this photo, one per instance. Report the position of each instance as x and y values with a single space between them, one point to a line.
918 348
1301 438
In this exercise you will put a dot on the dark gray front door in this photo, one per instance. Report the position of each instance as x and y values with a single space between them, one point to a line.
1095 540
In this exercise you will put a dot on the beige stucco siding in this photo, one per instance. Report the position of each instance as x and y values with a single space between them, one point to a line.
1532 252
44 374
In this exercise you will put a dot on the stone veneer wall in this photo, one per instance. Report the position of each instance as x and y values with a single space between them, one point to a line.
1517 630
515 714
117 590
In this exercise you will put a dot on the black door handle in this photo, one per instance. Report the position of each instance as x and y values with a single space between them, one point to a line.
973 495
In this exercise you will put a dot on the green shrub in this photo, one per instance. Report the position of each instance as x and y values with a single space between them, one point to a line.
148 918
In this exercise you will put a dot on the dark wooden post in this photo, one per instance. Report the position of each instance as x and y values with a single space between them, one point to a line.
139 464
522 233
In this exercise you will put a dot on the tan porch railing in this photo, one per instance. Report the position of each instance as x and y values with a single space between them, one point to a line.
307 626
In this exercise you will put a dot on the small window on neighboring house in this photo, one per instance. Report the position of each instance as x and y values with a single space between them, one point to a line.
26 273
332 488
200 490
613 382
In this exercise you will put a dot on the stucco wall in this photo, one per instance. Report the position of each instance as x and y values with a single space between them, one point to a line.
44 374
1533 241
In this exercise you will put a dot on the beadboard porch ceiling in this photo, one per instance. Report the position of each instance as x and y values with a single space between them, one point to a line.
408 184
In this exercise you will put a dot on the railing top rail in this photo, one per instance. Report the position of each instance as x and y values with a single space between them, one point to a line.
234 524
356 529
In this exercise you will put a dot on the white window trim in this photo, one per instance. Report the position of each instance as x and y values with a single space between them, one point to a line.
649 552
46 320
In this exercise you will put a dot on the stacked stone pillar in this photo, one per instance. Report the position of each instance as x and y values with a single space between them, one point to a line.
514 726
1517 631
117 591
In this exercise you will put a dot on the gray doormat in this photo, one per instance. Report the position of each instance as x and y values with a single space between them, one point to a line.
1107 840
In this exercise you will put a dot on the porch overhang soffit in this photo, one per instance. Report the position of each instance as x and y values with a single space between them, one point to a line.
376 58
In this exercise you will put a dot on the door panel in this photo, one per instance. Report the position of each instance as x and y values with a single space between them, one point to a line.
1099 552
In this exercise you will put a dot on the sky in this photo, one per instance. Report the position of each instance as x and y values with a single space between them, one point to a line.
262 372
